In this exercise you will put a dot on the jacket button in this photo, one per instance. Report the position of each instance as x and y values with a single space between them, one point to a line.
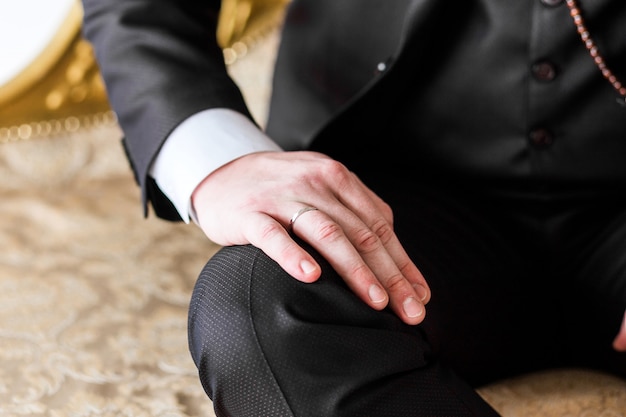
541 138
544 71
383 66
551 3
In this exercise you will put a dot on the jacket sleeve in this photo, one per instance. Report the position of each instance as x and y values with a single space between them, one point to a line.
161 63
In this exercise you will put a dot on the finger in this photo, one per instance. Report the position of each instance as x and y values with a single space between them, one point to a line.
408 269
372 275
271 237
378 217
393 268
619 343
328 238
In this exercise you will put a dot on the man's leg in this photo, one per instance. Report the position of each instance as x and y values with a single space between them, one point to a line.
266 344
492 314
592 236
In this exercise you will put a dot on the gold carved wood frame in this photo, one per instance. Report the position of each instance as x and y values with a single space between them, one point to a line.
61 90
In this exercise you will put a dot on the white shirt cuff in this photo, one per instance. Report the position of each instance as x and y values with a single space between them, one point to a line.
200 145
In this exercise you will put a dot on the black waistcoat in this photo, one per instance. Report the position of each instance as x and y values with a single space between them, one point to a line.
493 90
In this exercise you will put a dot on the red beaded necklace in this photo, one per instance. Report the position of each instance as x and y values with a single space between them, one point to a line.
585 36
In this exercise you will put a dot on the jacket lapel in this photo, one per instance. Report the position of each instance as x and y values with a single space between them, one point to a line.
332 53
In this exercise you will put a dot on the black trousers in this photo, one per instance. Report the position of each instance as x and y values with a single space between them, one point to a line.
520 282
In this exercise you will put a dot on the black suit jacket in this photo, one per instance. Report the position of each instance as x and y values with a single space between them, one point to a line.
343 66
161 64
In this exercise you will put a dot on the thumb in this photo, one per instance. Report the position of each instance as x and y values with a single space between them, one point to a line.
619 343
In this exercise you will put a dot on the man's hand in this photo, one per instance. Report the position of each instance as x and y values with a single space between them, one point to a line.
619 343
251 201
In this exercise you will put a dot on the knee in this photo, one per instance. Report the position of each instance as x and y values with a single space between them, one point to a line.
240 307
252 327
219 306
240 292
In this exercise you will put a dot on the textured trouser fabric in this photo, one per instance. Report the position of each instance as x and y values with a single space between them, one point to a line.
519 283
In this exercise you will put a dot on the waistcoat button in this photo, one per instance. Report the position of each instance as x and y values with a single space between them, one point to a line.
544 71
541 138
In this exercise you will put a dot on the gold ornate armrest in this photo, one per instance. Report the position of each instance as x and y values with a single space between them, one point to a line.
61 90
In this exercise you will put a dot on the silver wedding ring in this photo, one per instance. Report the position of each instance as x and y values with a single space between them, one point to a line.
298 214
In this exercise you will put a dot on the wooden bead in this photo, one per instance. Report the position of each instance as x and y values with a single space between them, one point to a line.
593 50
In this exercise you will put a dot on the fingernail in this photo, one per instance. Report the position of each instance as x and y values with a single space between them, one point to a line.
421 291
377 294
307 266
412 307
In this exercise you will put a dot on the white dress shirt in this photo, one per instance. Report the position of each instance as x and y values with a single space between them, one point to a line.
200 145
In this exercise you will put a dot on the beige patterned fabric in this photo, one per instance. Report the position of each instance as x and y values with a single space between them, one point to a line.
93 298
